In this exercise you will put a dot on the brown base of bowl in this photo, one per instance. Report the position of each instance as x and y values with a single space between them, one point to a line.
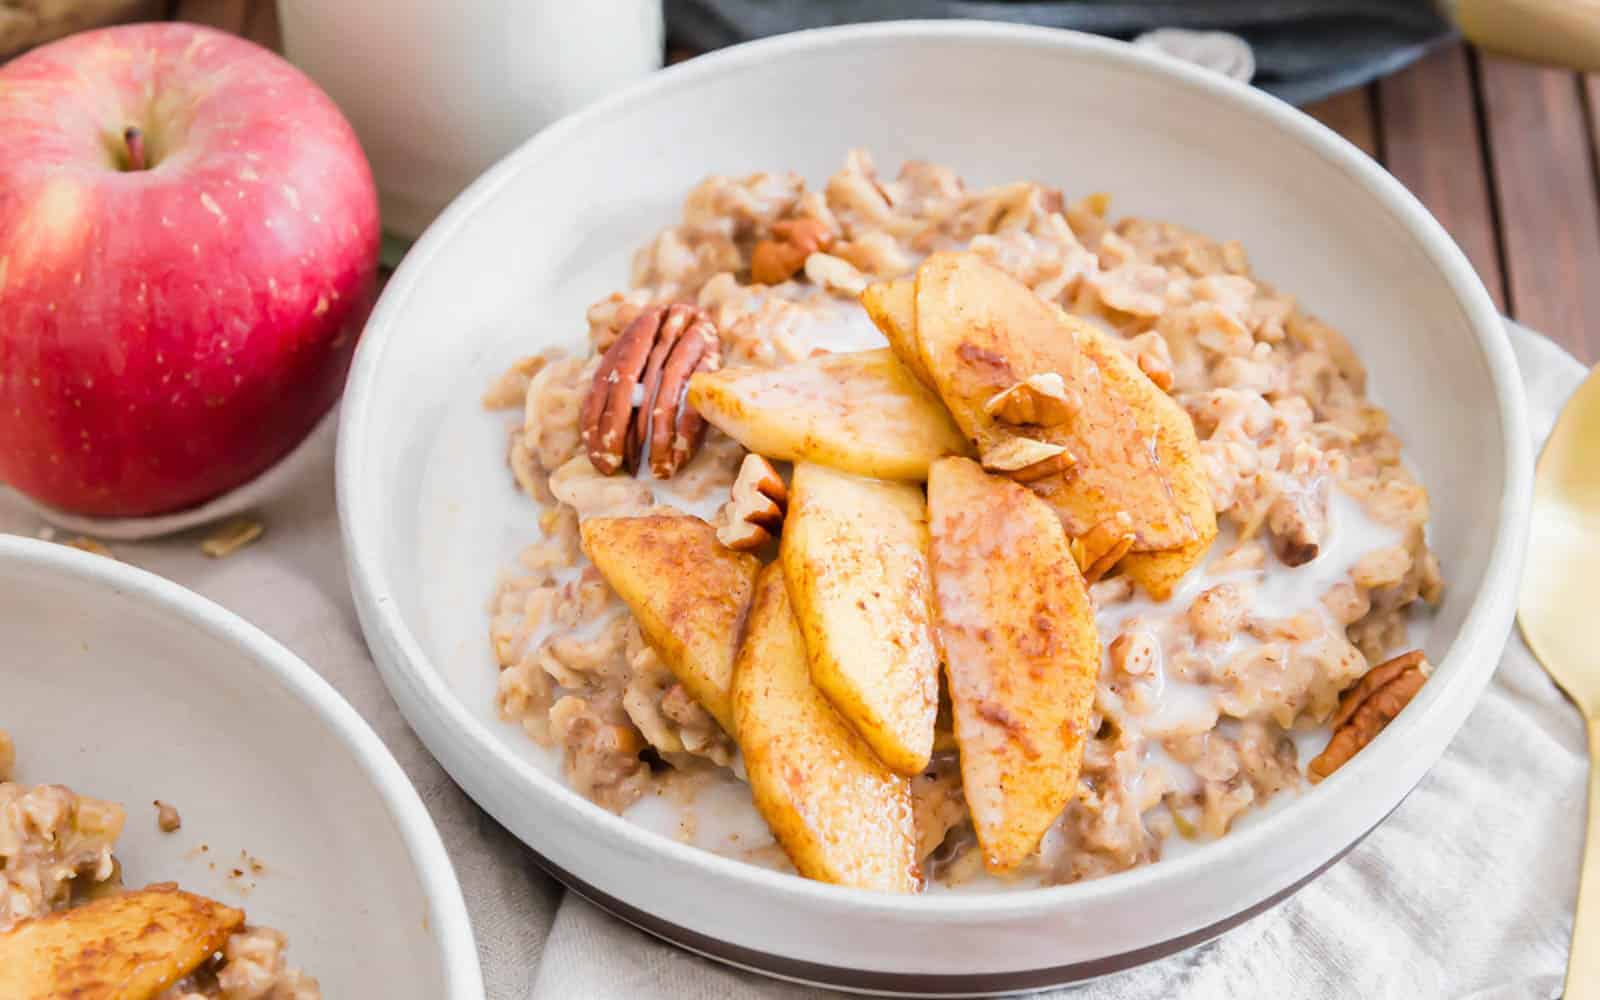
918 984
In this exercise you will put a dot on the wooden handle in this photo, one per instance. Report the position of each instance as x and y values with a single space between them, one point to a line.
1583 966
1554 32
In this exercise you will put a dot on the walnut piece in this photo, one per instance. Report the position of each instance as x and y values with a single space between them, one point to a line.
637 397
1369 706
1043 400
755 506
1027 460
781 257
1103 546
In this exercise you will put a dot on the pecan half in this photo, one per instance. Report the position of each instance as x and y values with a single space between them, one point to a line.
755 506
637 397
1369 706
1103 546
780 257
1027 460
1042 399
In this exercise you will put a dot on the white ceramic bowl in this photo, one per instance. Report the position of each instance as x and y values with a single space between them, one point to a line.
124 686
428 513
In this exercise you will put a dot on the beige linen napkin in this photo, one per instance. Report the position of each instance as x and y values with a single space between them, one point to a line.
1466 891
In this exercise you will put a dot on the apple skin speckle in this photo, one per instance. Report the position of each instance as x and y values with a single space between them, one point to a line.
111 279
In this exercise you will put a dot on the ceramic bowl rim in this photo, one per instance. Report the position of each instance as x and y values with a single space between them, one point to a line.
448 924
1472 655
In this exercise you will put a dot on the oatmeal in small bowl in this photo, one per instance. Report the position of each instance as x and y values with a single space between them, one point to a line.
187 811
67 924
809 552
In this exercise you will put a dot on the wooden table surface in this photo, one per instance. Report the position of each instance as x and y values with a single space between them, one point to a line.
1503 153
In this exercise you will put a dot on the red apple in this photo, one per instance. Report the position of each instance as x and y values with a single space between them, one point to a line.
188 250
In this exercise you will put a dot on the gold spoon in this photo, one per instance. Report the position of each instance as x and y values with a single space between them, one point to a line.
1558 617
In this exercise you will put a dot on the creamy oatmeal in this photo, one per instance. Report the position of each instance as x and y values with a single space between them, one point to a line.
253 965
1208 704
56 853
55 847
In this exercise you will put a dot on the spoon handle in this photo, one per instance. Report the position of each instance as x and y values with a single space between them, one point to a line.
1583 966
1551 32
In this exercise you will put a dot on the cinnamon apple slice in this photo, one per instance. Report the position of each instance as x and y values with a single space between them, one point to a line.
893 308
689 593
132 945
982 335
855 555
1021 653
861 412
839 813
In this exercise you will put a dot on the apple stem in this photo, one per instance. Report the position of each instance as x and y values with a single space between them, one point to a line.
133 138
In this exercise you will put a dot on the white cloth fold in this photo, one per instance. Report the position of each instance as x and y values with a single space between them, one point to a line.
1466 891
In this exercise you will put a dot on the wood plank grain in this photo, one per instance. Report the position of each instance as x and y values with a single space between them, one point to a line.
1544 180
1350 114
1433 145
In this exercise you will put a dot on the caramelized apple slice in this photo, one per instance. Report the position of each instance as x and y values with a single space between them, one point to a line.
1021 653
862 413
841 816
855 554
689 593
1178 452
130 946
893 308
982 333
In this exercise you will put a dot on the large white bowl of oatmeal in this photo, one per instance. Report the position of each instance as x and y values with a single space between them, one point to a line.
556 501
188 811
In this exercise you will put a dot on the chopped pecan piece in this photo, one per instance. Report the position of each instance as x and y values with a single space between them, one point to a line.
1103 546
1157 366
1369 706
1027 460
755 506
638 392
779 258
1043 400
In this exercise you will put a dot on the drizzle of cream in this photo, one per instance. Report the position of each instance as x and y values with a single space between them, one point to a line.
1279 591
845 327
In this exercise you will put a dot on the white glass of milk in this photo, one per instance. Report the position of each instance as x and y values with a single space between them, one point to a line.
440 89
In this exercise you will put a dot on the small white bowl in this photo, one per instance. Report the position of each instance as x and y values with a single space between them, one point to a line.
428 512
124 686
